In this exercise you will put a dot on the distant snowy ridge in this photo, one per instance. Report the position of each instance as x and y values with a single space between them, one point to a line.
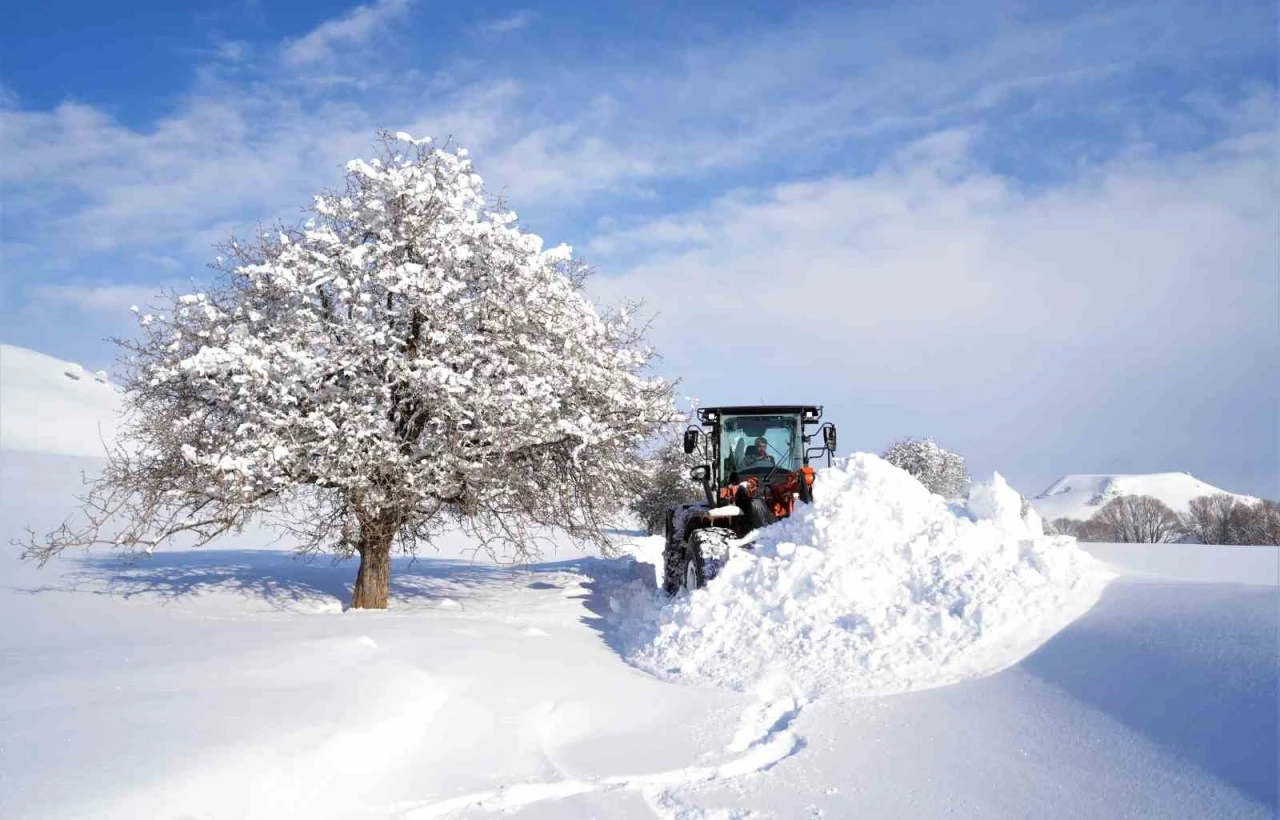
1081 496
51 406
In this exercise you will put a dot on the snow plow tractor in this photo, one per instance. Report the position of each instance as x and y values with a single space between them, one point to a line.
755 468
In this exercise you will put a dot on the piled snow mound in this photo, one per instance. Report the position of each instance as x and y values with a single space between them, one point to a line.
879 586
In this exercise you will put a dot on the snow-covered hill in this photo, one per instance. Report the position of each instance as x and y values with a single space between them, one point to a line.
51 406
1080 496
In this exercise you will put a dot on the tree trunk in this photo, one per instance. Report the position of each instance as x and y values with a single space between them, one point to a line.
373 579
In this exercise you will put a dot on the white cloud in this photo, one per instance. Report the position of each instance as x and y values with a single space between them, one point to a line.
233 50
928 263
936 296
511 22
236 151
221 161
355 28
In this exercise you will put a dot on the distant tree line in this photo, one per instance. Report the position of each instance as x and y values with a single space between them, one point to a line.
1209 519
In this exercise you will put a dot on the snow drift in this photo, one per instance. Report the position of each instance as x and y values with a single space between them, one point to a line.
878 586
51 406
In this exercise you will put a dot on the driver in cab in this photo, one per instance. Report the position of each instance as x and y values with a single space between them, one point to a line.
758 456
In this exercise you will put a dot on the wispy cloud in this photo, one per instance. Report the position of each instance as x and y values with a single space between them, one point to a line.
823 91
355 28
508 23
233 50
937 296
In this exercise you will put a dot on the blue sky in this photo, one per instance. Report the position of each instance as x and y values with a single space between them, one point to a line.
1044 234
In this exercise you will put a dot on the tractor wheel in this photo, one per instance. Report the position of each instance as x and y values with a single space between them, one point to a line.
712 546
691 564
760 514
673 561
681 568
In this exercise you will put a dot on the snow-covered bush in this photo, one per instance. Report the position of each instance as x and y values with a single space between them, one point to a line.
942 471
1064 526
665 484
406 360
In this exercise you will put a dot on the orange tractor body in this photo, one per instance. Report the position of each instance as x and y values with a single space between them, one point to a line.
756 469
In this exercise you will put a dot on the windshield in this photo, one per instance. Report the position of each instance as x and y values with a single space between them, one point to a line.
751 445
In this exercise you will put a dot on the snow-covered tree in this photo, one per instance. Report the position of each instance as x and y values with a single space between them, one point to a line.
406 360
942 471
1225 519
1208 518
1135 519
1265 527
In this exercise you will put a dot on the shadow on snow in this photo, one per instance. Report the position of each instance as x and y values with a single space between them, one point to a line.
285 581
1192 667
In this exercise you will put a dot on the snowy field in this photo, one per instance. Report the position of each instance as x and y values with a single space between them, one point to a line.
229 683
971 670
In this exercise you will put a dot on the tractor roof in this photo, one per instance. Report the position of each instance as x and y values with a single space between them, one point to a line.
808 412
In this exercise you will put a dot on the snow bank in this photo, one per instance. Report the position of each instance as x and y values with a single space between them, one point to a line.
879 586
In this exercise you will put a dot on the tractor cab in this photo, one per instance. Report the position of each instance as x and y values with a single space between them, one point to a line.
756 466
764 443
759 444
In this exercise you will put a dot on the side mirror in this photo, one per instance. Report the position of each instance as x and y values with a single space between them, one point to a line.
690 440
699 473
829 437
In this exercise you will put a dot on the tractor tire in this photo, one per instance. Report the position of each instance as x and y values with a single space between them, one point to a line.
712 547
760 514
691 564
674 563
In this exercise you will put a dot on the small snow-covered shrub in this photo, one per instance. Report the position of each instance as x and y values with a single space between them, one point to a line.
941 470
665 483
1064 526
